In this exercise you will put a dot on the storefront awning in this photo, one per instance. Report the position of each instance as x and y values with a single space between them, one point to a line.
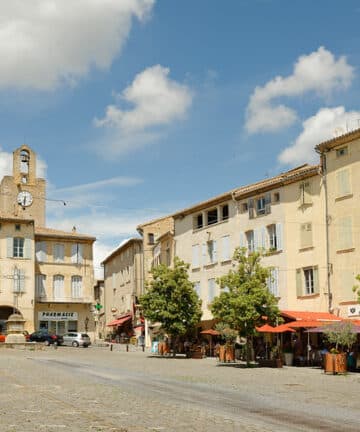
266 328
306 324
120 321
309 316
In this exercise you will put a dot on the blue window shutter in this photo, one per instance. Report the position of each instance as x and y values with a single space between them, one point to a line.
279 236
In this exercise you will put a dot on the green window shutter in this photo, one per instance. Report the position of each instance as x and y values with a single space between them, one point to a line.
316 280
299 290
27 248
10 245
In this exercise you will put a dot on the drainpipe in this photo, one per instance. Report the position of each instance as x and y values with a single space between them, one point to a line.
327 217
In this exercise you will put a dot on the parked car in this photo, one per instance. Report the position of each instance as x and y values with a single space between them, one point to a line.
76 339
46 337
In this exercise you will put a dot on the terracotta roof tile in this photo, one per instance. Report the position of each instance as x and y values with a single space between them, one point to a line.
42 231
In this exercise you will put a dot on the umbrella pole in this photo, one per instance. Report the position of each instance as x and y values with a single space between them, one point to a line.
308 351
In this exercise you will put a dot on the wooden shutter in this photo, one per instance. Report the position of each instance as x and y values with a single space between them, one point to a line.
22 281
256 239
306 235
299 283
251 208
268 203
316 280
343 183
276 281
263 238
242 240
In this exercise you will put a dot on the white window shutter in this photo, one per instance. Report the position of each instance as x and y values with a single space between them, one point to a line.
195 256
316 280
276 281
299 283
279 236
263 238
226 248
204 254
214 251
80 253
256 239
27 248
22 280
10 247
242 240
74 256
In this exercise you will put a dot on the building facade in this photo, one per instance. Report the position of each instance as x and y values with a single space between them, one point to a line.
123 282
46 274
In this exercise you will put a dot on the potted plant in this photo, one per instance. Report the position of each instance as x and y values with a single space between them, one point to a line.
227 351
341 335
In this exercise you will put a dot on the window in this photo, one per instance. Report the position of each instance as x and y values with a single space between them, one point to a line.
76 286
18 247
343 151
273 282
24 161
305 194
212 216
17 227
151 238
306 239
40 251
211 290
345 240
260 206
19 281
343 183
40 285
197 288
58 286
198 221
195 256
250 241
58 252
244 207
225 212
307 281
273 241
212 251
77 253
276 197
225 249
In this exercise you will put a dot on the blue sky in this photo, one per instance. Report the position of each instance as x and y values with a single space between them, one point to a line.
138 108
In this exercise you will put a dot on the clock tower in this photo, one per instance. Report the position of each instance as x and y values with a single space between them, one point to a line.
23 194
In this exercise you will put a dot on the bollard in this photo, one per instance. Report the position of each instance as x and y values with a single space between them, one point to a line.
111 347
127 348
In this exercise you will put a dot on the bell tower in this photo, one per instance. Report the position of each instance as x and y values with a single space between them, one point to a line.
23 194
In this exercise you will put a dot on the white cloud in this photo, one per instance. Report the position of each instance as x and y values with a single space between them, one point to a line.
44 43
157 101
318 72
6 165
325 124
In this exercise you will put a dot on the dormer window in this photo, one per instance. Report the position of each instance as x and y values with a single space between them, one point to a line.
212 216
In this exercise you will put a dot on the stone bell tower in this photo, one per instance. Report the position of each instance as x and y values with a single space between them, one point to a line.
22 194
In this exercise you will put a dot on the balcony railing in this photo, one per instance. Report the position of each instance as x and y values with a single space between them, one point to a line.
52 299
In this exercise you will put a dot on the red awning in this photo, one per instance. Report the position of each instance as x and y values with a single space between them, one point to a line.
266 328
310 316
306 324
120 321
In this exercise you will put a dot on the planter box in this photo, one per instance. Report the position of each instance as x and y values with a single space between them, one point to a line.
274 363
226 354
335 363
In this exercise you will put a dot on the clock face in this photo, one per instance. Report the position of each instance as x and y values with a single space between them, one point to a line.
24 198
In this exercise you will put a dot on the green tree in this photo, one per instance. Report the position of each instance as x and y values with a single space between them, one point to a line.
245 301
171 299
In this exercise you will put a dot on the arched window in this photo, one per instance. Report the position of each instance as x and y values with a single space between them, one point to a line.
24 162
76 286
58 286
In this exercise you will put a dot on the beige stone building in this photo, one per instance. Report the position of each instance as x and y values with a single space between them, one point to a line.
123 284
46 274
340 160
283 216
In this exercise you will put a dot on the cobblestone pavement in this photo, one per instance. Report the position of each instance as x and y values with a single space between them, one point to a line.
98 390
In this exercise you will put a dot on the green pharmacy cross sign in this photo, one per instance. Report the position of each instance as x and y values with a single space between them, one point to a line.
98 306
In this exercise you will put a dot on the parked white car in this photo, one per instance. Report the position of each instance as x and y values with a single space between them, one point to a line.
76 339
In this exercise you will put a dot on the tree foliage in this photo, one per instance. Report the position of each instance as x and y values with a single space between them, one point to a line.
245 301
342 334
171 299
